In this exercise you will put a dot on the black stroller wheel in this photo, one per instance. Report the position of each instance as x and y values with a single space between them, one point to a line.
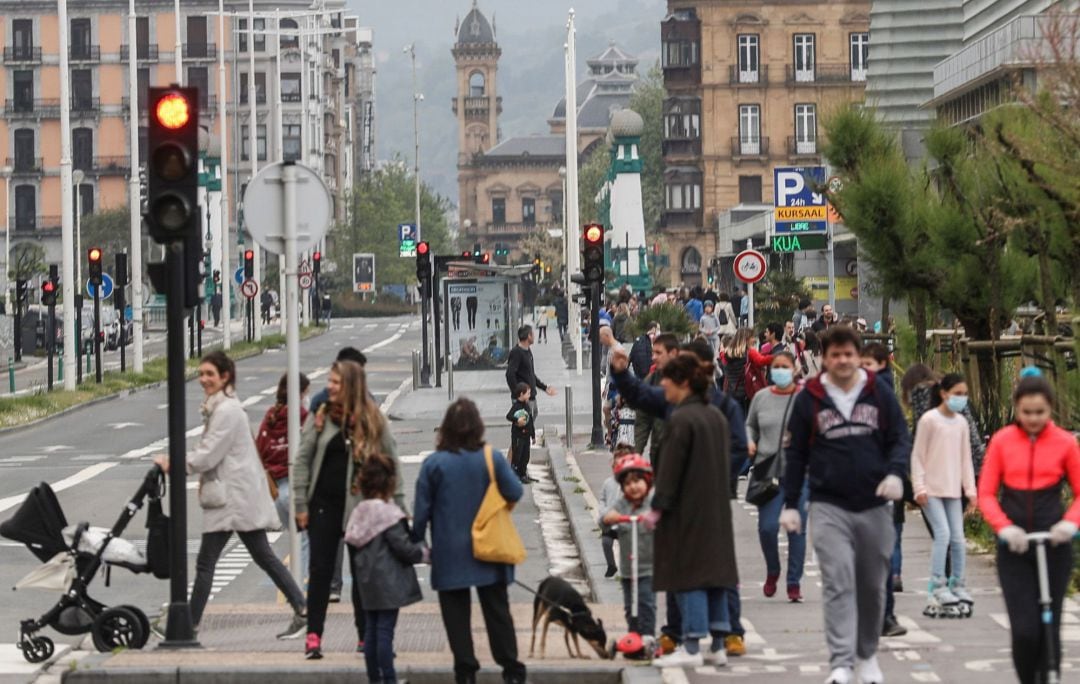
117 628
37 649
144 622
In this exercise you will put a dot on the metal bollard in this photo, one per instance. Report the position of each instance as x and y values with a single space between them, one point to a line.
415 370
11 374
569 417
89 359
60 367
450 378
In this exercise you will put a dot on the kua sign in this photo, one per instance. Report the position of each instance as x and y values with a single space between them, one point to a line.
784 244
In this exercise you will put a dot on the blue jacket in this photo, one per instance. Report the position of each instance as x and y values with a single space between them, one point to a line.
449 491
845 459
694 308
650 398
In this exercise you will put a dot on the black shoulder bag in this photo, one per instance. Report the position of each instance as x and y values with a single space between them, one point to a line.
763 484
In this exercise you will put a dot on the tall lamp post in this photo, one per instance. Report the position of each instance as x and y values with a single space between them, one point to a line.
410 49
77 177
6 172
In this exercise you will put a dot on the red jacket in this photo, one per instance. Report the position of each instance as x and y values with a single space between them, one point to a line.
273 440
1021 478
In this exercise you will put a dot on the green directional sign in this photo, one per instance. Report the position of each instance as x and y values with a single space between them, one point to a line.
785 244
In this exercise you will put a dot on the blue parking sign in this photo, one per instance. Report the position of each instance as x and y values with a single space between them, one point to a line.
798 207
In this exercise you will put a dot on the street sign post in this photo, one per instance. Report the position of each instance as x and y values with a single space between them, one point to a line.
363 272
408 237
798 208
750 267
107 286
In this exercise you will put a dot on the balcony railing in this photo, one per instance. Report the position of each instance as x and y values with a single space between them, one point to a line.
260 97
200 51
82 105
513 228
31 107
682 218
823 74
24 223
748 77
111 166
24 165
22 54
801 148
144 52
749 147
291 97
85 53
681 146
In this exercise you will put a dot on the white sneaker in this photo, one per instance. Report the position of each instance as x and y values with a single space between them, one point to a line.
869 671
717 658
680 658
840 675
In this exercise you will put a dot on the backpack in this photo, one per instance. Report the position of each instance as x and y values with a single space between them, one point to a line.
721 316
753 379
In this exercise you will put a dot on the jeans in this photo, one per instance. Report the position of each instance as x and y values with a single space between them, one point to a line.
768 531
282 506
379 645
645 623
897 561
213 543
946 516
703 611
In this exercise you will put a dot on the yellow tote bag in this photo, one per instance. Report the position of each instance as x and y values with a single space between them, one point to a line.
495 539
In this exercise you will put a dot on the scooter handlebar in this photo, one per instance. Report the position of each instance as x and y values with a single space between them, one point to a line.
630 518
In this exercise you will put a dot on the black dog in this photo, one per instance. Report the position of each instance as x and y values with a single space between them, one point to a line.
556 601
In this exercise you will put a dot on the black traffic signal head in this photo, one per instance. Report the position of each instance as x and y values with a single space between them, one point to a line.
316 262
593 253
172 167
121 276
423 261
249 263
48 293
93 258
22 292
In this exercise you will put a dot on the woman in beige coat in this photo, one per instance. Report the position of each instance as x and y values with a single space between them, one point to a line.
233 491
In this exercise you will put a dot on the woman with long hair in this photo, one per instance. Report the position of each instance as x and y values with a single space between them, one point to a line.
741 360
272 442
233 491
335 442
449 491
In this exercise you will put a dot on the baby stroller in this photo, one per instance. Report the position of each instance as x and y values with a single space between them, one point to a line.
72 555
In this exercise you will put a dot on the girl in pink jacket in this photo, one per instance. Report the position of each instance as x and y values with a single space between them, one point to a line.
942 475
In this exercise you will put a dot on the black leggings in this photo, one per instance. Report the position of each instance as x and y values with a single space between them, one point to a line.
324 535
456 609
1019 578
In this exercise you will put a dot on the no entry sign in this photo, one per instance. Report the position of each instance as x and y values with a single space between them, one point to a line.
750 266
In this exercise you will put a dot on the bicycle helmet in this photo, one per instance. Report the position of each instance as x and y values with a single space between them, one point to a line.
631 463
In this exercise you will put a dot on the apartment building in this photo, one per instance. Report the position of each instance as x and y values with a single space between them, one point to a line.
99 49
747 83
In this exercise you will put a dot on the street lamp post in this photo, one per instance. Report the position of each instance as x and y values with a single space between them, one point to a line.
7 171
77 177
410 49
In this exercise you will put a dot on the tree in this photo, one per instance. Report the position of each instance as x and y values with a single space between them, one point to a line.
27 260
550 250
380 201
109 229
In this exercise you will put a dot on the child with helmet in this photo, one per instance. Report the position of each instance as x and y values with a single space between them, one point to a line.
635 477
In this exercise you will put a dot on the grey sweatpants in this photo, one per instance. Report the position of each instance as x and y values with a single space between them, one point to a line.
853 550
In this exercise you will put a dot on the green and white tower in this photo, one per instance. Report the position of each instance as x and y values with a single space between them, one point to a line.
620 203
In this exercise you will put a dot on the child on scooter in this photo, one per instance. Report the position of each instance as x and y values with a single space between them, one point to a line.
635 476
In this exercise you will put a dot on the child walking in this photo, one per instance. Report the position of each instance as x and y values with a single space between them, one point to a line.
522 432
384 560
635 476
942 473
610 492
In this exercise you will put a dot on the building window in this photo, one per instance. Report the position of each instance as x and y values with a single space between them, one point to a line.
557 207
24 149
749 129
749 58
750 189
144 143
82 149
860 55
22 38
680 53
804 57
242 35
199 77
498 210
683 119
196 37
290 87
290 140
805 129
25 207
476 84
691 260
85 199
80 38
143 86
260 142
528 211
82 90
288 41
23 90
683 196
260 87
142 38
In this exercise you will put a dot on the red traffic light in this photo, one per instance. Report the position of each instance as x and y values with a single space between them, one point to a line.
317 256
486 258
249 254
94 255
173 111
422 248
466 254
594 233
48 286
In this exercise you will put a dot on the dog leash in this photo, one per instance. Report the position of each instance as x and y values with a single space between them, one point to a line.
549 601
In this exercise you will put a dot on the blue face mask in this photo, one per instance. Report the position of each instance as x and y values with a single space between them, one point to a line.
782 377
956 403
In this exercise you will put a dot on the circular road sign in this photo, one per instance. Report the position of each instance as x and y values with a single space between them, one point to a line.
249 288
264 201
106 286
750 266
306 281
238 276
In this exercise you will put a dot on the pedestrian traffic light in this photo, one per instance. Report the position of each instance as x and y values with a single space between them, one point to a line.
477 254
466 254
593 253
120 278
21 291
249 263
48 293
93 258
423 262
173 141
316 263
485 258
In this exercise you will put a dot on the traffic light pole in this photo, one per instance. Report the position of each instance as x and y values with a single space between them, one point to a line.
434 288
97 334
78 339
597 439
425 366
179 632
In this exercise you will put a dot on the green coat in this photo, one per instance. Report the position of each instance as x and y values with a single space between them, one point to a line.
309 459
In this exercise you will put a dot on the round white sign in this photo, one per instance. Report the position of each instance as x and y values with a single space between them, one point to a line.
305 280
750 266
249 288
264 215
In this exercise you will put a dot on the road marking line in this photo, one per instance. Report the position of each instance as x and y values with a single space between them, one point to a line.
389 340
419 458
251 401
392 397
671 675
78 478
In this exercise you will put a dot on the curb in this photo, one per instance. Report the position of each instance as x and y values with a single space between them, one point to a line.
582 525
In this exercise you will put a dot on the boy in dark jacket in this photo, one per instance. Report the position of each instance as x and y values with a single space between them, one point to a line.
522 432
384 557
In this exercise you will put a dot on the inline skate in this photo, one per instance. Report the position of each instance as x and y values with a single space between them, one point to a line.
941 602
967 604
